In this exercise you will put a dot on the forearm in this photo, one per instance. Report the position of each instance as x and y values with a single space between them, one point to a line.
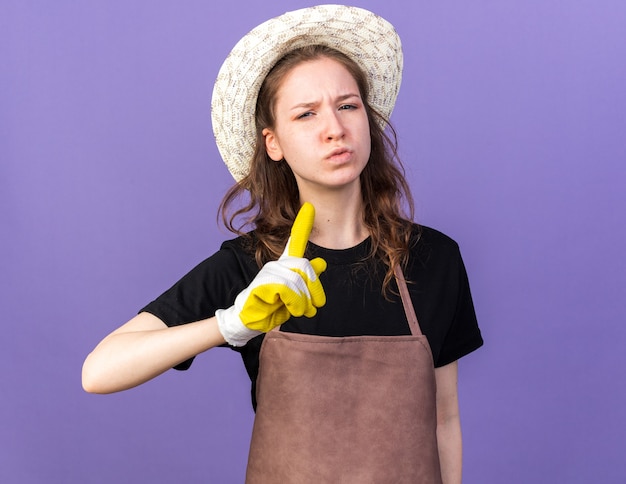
143 349
449 424
449 443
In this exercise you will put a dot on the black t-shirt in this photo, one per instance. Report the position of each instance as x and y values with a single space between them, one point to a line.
435 275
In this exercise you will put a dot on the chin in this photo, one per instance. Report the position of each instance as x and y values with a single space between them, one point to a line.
343 181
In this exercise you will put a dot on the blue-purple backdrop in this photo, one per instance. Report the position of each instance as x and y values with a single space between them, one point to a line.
512 124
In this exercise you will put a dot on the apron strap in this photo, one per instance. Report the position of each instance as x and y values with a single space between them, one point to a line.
409 310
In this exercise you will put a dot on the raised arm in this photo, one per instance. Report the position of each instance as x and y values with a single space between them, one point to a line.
145 347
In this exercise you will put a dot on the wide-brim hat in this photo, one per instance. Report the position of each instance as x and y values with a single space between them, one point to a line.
366 38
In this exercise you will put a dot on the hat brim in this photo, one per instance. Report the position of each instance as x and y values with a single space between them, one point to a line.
366 38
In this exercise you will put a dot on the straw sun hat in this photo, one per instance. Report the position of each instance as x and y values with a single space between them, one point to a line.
366 38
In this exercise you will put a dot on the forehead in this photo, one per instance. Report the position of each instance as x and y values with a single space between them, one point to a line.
318 74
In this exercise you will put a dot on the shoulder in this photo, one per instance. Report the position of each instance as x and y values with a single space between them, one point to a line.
238 252
426 234
428 243
231 262
242 245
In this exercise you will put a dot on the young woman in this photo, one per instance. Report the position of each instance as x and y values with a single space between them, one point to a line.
348 386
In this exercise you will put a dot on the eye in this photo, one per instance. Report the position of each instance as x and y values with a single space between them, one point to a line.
305 115
347 107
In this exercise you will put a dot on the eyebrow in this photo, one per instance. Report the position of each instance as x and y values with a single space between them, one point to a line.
311 104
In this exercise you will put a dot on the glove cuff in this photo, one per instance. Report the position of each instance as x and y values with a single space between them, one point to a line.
233 330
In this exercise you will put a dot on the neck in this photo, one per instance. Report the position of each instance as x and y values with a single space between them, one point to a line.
338 220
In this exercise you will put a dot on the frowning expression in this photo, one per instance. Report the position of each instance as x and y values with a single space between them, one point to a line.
321 127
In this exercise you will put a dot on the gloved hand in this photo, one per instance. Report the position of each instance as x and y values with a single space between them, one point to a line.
287 287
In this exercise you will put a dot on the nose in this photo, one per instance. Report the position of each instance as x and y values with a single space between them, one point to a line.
334 128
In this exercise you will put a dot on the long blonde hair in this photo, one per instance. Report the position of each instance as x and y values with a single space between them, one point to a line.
273 193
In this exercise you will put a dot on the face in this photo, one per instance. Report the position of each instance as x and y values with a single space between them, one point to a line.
321 127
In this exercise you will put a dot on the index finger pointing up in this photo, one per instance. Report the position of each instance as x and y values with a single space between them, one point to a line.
300 231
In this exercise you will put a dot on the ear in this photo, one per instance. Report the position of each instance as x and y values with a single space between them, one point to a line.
271 145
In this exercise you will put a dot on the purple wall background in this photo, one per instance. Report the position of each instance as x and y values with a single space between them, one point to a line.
512 126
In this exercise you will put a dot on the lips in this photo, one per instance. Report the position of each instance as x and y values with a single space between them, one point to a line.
339 154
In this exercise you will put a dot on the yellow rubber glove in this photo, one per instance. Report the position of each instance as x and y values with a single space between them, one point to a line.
287 287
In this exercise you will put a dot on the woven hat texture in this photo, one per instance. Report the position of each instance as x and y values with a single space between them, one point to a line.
366 38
